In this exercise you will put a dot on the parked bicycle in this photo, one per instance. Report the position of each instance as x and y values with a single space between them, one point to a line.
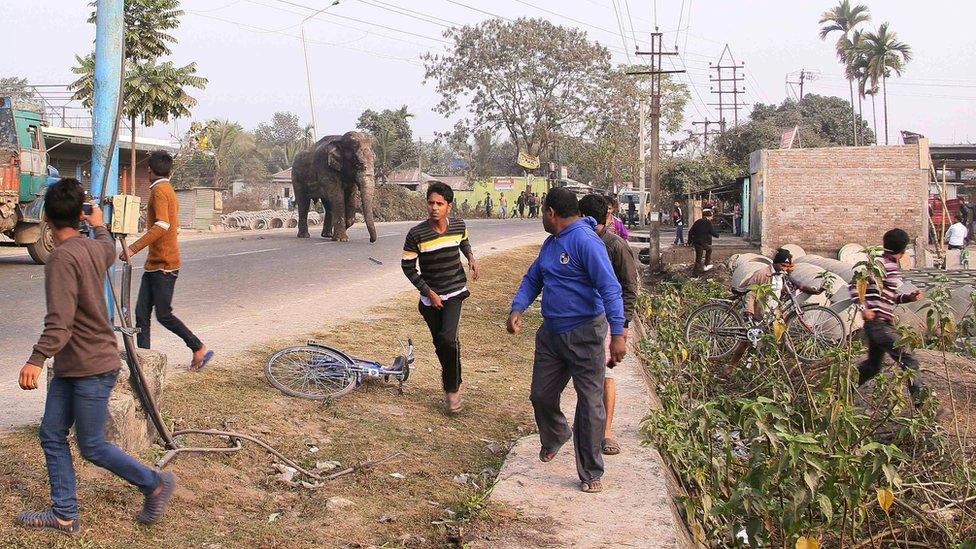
811 329
317 371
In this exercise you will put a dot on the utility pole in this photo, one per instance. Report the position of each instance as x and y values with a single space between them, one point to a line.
642 157
705 133
109 45
727 89
308 74
803 77
656 53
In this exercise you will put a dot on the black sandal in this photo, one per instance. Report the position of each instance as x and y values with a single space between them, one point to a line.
47 520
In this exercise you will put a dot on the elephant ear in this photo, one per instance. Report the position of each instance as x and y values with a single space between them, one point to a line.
333 156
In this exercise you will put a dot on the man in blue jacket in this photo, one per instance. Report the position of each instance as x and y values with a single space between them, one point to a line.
582 295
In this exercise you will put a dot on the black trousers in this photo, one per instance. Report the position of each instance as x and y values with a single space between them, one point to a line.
443 324
703 256
881 337
156 292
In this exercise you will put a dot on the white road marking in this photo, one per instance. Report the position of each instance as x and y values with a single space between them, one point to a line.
247 252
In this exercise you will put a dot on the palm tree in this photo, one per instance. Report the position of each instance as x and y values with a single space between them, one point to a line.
843 18
885 55
152 92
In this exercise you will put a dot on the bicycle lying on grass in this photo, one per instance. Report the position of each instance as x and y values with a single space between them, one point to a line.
810 329
319 372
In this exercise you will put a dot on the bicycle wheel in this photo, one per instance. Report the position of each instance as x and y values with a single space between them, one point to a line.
717 324
311 371
811 332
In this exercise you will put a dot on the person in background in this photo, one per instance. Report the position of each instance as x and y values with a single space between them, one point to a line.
958 234
163 263
617 226
489 205
632 212
678 218
581 297
625 268
966 212
437 245
700 236
477 208
79 337
465 208
502 206
737 219
520 205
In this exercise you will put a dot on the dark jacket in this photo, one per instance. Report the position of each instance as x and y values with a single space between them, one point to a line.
625 267
702 232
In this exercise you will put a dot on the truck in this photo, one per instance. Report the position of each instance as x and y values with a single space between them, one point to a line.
25 174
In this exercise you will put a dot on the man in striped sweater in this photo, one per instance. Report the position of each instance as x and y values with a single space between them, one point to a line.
437 244
878 309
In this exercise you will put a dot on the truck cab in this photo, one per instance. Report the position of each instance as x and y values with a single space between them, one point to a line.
24 177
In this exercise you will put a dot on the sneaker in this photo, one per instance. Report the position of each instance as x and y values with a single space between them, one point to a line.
156 501
47 520
709 267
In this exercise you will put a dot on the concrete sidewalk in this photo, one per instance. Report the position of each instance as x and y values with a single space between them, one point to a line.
632 511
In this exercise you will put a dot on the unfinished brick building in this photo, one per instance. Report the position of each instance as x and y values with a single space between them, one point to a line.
824 198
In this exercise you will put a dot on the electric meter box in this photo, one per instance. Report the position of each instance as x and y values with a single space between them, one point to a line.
125 214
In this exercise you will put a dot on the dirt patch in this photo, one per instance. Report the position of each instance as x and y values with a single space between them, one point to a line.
234 500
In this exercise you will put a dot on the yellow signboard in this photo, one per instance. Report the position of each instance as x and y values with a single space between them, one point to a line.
528 161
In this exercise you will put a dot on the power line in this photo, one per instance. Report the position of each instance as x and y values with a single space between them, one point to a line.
336 23
421 16
394 29
623 36
263 30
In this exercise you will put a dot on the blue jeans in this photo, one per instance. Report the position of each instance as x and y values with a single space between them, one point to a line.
83 401
679 235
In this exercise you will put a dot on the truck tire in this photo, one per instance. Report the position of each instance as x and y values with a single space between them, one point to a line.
41 250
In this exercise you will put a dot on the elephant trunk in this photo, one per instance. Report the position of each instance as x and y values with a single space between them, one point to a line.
367 184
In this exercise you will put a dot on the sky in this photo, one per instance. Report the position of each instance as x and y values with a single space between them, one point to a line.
366 53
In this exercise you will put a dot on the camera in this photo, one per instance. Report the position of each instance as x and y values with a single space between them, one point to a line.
86 208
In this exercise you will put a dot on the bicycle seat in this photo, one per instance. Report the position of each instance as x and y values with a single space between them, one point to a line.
738 292
399 364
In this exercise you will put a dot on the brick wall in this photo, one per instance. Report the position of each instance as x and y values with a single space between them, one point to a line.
822 199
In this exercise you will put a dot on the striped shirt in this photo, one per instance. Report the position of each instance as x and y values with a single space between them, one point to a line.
882 301
439 256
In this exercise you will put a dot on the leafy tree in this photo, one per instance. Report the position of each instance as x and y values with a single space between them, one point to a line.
217 153
681 175
843 18
152 91
528 76
823 121
392 138
279 140
884 54
20 93
607 150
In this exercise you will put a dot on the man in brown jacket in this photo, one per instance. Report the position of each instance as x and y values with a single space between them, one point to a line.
625 268
78 335
163 263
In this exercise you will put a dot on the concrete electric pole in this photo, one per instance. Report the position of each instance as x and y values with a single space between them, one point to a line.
654 227
724 89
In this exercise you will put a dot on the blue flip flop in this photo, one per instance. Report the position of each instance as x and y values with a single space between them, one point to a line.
197 366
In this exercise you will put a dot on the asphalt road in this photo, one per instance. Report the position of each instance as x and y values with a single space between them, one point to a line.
237 290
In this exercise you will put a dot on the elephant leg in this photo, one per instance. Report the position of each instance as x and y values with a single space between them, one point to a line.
350 198
303 205
338 206
326 219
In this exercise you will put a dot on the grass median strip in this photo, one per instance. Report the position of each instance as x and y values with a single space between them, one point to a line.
236 500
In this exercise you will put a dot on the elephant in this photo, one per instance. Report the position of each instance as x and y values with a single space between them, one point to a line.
332 170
